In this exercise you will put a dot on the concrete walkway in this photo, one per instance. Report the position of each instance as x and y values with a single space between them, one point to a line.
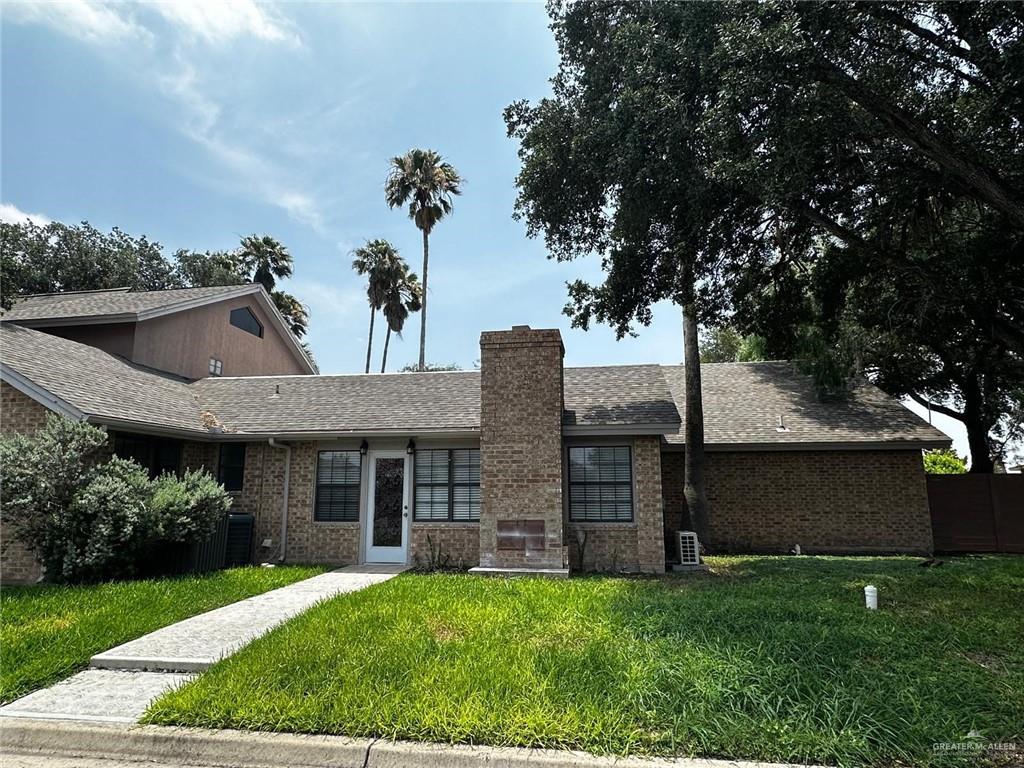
124 680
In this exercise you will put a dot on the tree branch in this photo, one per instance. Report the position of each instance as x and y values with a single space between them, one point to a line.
944 410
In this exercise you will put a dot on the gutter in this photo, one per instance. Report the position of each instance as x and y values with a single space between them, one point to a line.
284 501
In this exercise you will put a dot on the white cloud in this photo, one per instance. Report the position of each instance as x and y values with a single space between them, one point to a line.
89 21
11 214
223 20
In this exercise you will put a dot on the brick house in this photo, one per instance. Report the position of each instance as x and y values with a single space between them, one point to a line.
524 464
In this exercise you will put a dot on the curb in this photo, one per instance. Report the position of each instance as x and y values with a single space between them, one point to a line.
253 749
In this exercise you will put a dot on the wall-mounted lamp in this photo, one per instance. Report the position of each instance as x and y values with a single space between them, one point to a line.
364 447
411 447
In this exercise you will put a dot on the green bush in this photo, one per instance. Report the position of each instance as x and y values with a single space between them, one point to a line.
89 517
189 507
944 462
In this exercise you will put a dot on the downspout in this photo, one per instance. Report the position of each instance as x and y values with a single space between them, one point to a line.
284 501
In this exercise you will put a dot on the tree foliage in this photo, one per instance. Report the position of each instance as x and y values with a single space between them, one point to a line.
944 462
844 180
724 344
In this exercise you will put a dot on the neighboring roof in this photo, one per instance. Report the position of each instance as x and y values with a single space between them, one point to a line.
743 403
117 303
121 305
79 380
358 403
621 395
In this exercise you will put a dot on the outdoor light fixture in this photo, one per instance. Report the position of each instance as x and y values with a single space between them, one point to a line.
411 447
364 447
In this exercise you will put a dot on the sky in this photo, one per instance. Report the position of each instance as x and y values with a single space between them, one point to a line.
196 123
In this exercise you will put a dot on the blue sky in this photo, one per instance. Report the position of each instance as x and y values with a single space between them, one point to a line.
196 123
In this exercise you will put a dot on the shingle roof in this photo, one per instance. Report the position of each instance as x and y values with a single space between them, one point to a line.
98 383
119 301
743 402
402 402
618 396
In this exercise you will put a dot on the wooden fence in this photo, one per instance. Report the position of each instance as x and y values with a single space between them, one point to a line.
977 513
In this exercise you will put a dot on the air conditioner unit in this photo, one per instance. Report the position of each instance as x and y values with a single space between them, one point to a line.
689 548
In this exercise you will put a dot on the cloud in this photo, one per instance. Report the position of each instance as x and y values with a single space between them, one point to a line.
218 22
89 21
11 214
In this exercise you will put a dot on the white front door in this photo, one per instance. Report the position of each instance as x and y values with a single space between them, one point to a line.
387 514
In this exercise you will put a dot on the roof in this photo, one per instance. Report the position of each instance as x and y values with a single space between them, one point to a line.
359 403
621 395
120 305
117 303
79 380
743 403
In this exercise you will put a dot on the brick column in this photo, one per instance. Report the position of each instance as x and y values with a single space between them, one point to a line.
521 448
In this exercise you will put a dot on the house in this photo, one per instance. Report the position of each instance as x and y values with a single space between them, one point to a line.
524 464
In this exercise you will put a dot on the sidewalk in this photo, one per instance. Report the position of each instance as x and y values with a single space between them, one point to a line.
124 680
32 743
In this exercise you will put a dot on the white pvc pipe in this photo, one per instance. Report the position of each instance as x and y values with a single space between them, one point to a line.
871 597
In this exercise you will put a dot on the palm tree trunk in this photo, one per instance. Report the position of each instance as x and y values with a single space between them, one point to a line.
694 489
384 360
369 341
423 308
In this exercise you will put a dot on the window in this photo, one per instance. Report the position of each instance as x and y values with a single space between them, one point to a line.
448 485
216 366
156 455
337 486
231 466
244 318
600 484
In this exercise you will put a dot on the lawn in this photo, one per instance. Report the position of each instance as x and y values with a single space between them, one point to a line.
768 658
48 632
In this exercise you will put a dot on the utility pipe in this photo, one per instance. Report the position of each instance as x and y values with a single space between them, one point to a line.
284 502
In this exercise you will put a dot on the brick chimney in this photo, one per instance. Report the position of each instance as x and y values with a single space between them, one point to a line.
521 449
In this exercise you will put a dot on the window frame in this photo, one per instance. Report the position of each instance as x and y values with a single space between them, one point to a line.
221 466
573 484
450 484
252 315
317 485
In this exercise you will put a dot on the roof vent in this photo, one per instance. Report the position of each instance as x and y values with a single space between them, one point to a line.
782 425
277 391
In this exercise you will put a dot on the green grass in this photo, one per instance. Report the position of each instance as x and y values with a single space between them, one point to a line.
767 658
47 632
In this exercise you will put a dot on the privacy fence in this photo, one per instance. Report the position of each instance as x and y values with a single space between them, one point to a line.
977 513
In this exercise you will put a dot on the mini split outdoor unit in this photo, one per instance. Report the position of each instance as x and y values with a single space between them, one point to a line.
689 548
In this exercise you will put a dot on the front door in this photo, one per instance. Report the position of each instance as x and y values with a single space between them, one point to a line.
387 518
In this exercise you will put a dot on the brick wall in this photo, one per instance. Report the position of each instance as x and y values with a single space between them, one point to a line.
261 496
521 442
826 501
456 545
19 414
635 546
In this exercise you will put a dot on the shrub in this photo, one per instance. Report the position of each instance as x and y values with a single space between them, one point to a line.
83 517
88 517
944 462
189 507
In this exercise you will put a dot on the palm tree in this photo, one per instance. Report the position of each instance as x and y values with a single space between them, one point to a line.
265 259
403 295
421 179
376 260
